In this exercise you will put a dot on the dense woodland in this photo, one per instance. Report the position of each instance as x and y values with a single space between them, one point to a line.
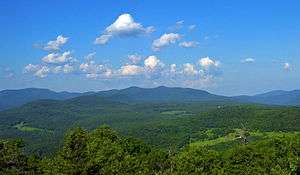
149 137
42 124
104 151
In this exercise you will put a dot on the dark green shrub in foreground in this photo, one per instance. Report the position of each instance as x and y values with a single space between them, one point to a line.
13 161
274 156
103 151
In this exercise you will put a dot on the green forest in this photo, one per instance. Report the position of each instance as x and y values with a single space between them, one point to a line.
105 151
93 135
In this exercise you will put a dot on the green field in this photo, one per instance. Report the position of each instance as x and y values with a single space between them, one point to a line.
183 113
25 128
231 139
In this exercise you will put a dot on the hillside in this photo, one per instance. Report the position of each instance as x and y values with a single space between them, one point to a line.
273 98
162 94
160 116
14 98
42 123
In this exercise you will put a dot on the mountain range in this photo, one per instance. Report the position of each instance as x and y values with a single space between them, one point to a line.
161 94
15 98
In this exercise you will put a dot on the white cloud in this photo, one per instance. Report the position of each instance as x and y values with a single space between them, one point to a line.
91 67
135 58
131 70
189 69
188 44
93 70
57 58
248 60
31 68
165 40
151 72
103 39
173 68
68 68
208 63
42 72
56 44
124 26
287 66
152 62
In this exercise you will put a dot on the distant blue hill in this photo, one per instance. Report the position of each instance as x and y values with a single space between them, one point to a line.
162 94
277 97
14 98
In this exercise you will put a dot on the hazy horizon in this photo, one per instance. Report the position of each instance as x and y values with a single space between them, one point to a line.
146 88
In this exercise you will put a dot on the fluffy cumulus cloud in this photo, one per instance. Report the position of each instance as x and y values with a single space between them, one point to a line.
248 60
93 70
189 69
165 40
188 44
42 71
68 68
124 26
189 75
208 63
58 58
287 66
31 68
128 70
152 62
152 67
148 70
56 44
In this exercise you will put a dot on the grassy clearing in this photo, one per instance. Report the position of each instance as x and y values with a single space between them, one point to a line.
176 112
25 128
231 138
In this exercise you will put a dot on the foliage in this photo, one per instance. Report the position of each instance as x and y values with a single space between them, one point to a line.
104 151
161 125
12 161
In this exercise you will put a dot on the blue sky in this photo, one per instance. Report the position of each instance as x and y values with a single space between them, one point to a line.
230 48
